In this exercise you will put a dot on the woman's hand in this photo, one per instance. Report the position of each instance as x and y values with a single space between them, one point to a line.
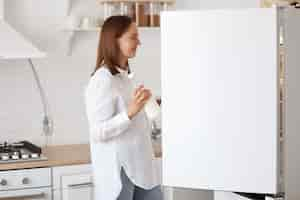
140 98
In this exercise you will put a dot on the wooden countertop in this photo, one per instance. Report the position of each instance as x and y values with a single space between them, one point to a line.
59 155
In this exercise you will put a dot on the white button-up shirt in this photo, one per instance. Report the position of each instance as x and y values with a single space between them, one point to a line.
115 140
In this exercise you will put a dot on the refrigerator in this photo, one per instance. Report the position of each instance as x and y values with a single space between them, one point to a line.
230 92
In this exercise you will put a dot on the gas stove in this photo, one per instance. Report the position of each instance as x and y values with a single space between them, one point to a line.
20 152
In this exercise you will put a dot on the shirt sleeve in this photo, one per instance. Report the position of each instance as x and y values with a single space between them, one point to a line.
105 122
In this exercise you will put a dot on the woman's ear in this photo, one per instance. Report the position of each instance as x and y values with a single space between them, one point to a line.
118 42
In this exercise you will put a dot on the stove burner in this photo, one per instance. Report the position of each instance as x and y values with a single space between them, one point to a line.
8 148
21 151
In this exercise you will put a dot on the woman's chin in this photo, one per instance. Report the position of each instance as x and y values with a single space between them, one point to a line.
132 55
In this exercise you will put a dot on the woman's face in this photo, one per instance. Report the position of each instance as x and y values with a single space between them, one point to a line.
129 41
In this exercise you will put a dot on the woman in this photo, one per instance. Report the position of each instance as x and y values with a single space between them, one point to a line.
120 134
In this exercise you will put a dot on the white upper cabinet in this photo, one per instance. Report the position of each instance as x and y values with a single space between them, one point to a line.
220 94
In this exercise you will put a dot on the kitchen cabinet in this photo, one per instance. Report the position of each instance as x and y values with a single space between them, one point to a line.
231 123
73 182
77 187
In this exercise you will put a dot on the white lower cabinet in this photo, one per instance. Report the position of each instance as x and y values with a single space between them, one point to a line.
77 186
73 182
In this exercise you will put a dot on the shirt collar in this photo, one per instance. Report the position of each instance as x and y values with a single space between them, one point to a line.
122 71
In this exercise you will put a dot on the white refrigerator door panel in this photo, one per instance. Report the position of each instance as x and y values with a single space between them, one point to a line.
219 93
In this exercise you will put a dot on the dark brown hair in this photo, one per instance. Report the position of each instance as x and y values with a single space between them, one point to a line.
108 49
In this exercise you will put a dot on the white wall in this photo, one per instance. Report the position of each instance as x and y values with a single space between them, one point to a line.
62 76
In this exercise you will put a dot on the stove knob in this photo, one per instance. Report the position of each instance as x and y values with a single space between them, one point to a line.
25 156
3 182
15 157
25 181
5 157
34 155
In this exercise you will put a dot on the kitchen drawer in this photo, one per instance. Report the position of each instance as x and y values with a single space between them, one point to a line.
28 178
77 181
72 182
77 186
65 173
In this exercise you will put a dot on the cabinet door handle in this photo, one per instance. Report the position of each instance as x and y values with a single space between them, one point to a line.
15 196
80 185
